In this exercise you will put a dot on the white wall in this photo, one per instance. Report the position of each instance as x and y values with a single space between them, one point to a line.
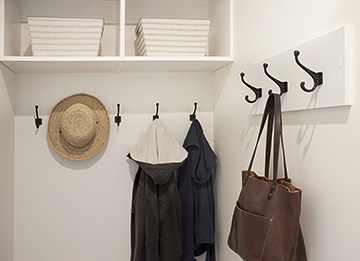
7 104
66 210
80 211
322 145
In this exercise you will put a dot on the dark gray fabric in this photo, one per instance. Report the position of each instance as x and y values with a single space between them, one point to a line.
195 182
156 214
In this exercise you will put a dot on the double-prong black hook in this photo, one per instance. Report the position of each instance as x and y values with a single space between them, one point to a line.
38 120
193 115
316 76
118 117
282 85
156 116
257 91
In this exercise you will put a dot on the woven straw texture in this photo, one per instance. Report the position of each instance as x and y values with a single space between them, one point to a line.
78 127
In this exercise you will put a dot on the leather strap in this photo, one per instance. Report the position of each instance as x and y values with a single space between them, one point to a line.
272 113
277 133
268 146
269 103
268 141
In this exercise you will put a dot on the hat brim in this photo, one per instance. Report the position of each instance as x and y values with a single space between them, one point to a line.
102 127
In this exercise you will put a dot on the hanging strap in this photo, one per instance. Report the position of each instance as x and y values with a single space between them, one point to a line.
268 141
272 112
283 147
269 103
277 133
268 145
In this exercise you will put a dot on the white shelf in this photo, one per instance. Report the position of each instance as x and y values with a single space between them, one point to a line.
118 38
173 64
29 64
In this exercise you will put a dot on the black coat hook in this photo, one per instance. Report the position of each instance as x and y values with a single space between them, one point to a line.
282 85
156 116
257 91
118 117
38 120
316 76
193 115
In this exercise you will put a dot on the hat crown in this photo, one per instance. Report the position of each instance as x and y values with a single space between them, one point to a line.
78 125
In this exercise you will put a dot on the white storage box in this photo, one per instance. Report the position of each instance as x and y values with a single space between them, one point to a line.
171 37
53 36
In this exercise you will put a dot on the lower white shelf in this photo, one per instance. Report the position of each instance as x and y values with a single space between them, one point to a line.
102 64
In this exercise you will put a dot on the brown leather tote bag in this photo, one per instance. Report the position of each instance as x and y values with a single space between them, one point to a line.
265 223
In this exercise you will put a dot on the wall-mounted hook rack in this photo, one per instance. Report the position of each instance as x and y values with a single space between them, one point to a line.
316 76
118 117
193 115
257 91
156 116
327 54
282 85
38 120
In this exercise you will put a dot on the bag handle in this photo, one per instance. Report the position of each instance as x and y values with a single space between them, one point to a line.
268 143
272 112
268 146
269 104
277 134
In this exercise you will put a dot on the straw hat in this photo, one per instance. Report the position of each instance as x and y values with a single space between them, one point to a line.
78 126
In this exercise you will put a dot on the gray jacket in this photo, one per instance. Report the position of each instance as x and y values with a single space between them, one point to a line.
156 206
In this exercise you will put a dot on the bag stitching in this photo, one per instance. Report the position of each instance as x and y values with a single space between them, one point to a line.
267 235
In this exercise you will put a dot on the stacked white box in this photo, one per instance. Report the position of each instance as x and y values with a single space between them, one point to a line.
171 37
53 36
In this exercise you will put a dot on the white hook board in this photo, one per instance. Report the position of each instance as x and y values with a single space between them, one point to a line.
325 54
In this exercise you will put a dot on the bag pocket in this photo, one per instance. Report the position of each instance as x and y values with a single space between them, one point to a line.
248 234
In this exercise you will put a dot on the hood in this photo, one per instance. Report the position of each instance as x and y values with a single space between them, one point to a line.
158 153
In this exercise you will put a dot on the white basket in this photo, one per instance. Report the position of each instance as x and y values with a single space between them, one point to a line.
171 37
53 36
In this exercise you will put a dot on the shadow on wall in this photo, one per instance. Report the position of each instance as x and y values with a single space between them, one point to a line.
222 76
307 120
253 122
133 167
8 78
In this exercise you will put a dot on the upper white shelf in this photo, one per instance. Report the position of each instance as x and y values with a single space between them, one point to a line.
29 64
117 43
